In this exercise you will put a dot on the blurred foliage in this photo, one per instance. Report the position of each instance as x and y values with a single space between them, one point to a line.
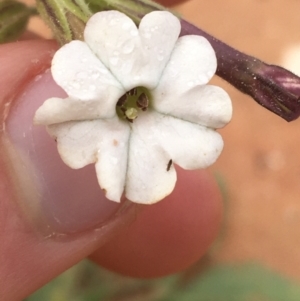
247 282
87 282
238 283
14 17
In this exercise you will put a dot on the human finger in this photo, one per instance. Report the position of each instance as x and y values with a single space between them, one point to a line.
171 235
51 217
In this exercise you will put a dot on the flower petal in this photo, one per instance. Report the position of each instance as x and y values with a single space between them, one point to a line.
57 110
189 145
181 93
136 57
112 163
104 142
156 139
83 76
148 177
206 105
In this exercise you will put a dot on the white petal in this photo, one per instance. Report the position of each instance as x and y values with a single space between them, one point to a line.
189 145
57 110
77 142
148 178
155 140
112 163
83 76
181 92
135 57
206 105
104 142
162 138
193 62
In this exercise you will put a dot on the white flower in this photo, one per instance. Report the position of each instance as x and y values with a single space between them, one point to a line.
98 124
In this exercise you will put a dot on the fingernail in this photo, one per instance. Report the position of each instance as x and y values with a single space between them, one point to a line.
57 198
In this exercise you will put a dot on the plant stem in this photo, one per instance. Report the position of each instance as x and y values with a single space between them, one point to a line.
271 86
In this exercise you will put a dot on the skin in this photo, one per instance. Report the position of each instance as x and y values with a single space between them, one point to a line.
169 236
142 241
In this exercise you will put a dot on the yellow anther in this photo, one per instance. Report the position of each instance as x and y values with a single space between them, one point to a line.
131 113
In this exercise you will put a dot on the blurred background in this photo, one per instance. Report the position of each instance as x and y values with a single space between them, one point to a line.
257 255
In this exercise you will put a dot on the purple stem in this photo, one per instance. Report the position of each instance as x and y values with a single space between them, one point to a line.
271 86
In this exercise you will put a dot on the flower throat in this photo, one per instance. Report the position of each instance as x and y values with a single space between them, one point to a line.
133 101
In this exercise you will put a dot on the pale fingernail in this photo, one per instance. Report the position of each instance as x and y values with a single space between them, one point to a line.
60 199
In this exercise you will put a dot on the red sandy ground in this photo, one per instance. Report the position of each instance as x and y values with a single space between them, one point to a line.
260 163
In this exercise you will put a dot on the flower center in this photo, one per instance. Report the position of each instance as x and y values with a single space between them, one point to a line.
133 101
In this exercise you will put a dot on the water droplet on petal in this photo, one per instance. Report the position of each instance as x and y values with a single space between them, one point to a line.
81 75
126 25
210 73
113 22
92 87
95 75
76 85
134 32
160 55
104 71
114 61
128 48
114 160
147 35
203 78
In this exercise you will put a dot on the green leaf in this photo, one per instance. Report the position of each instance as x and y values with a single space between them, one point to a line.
14 17
134 9
66 18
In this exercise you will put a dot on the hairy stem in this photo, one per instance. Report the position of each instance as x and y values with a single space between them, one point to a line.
271 86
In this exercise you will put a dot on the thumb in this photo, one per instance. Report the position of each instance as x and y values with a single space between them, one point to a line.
51 217
48 221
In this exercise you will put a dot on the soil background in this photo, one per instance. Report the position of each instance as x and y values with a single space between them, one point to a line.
260 165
